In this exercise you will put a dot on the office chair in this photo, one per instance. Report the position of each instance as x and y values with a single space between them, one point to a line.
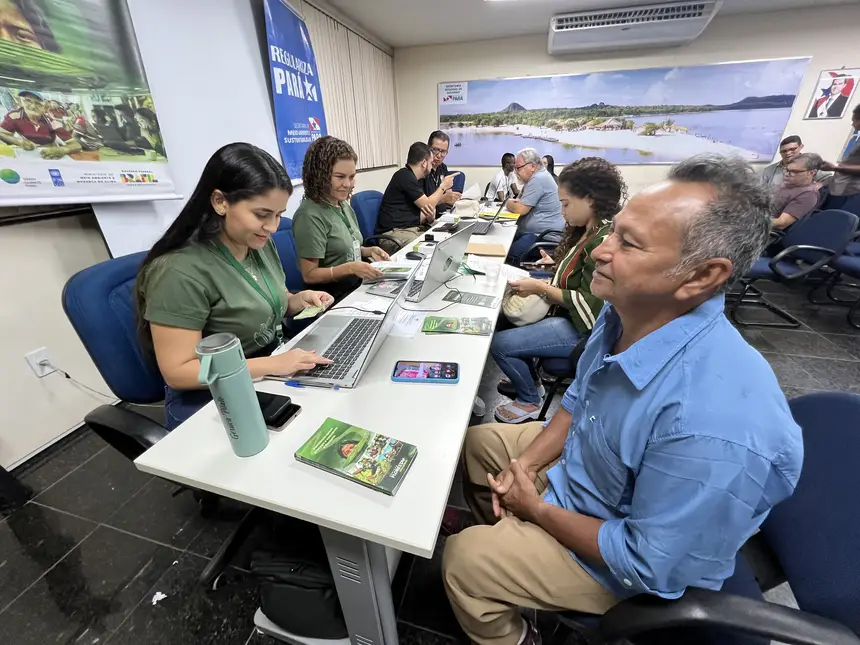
100 304
845 264
459 181
813 536
285 243
366 206
548 241
806 247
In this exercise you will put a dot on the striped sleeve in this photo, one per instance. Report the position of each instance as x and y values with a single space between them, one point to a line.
582 306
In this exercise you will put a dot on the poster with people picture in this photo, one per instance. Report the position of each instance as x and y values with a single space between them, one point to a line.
833 93
77 120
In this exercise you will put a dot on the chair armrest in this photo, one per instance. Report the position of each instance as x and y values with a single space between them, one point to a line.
368 241
543 236
127 431
829 254
539 245
705 608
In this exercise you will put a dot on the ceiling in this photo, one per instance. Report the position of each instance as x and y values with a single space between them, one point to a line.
405 23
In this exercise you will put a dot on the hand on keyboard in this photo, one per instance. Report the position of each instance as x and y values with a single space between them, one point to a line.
295 360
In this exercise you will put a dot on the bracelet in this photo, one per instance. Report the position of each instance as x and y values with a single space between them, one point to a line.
545 294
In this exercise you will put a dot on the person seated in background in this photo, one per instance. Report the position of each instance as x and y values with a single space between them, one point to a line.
538 205
658 466
846 173
216 270
405 211
549 163
325 228
790 147
439 143
591 191
31 127
150 132
127 125
504 181
798 196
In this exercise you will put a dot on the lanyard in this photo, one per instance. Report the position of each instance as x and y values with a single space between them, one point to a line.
343 218
271 297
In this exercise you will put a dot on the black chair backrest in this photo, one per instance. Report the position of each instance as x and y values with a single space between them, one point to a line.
830 229
815 534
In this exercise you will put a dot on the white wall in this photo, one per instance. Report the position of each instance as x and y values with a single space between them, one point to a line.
828 35
211 87
36 259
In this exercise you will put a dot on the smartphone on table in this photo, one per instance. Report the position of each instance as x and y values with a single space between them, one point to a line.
425 372
278 410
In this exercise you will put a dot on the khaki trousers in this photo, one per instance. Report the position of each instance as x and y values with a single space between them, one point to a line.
491 570
403 237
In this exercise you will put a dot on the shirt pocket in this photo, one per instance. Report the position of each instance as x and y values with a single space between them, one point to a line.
605 468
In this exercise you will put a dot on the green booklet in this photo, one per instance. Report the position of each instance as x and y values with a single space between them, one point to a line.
368 458
473 326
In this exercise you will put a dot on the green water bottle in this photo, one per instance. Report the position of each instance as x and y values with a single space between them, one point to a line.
223 369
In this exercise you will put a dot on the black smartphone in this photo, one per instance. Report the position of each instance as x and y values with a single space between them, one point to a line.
278 410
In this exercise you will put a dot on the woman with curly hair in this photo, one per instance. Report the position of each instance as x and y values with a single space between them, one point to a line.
328 240
591 191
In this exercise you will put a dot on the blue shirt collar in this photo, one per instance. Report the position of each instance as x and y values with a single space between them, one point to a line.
645 358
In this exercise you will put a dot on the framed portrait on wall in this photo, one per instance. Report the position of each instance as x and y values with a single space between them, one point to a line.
833 93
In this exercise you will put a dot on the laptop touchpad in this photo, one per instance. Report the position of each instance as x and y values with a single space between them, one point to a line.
322 334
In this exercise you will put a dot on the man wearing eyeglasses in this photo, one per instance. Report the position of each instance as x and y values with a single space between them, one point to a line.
798 196
789 148
438 142
538 205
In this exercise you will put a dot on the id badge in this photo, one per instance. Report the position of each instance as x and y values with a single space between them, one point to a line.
356 251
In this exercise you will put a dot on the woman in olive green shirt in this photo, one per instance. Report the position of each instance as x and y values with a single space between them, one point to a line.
215 270
328 240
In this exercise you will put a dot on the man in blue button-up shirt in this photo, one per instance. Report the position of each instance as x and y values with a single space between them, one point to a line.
672 444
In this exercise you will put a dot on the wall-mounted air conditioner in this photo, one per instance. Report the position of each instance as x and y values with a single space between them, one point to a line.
656 25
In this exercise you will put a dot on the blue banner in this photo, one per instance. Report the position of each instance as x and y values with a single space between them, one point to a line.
296 92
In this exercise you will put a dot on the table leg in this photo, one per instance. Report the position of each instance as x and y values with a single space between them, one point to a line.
361 576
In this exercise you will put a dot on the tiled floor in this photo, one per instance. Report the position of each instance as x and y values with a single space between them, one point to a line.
103 554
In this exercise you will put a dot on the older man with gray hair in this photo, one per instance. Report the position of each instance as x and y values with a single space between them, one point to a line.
538 205
672 444
798 196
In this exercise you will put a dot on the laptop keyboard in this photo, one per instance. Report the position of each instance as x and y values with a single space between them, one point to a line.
346 349
482 228
415 288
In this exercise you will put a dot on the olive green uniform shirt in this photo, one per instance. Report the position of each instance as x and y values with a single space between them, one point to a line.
197 288
324 233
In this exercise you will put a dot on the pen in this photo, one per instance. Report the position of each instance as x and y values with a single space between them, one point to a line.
293 384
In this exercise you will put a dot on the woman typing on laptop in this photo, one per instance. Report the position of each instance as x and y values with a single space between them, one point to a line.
328 240
217 270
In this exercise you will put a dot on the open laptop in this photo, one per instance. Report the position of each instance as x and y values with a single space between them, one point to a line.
482 228
444 265
350 341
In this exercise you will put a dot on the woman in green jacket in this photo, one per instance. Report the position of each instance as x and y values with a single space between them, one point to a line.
328 240
591 191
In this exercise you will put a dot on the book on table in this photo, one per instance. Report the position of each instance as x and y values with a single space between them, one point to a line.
448 325
367 458
392 271
387 288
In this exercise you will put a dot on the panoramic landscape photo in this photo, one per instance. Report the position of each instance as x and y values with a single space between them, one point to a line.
658 115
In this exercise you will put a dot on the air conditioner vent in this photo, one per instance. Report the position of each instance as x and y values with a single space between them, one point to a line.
632 16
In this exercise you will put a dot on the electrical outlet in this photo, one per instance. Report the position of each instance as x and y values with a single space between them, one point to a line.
40 356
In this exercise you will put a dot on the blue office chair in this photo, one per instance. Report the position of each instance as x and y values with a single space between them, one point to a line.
285 243
806 247
459 181
366 206
814 538
843 265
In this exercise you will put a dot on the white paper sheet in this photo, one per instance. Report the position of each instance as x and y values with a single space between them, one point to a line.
472 192
406 325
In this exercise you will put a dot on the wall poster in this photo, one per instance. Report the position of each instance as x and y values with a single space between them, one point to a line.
660 115
77 120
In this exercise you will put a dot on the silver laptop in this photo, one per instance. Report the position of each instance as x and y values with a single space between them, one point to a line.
350 341
444 265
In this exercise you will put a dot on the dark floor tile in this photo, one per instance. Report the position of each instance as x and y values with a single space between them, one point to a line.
98 488
413 635
180 611
57 461
89 593
840 376
214 531
425 603
13 493
849 343
156 514
754 315
755 337
790 301
790 373
827 320
32 540
796 343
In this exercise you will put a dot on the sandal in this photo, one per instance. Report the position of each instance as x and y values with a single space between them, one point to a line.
506 388
512 413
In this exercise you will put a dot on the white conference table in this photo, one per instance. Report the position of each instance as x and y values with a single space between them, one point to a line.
364 531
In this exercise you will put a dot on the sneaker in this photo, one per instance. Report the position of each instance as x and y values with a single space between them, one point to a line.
506 388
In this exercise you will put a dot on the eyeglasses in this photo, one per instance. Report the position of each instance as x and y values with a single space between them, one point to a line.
789 171
439 152
531 163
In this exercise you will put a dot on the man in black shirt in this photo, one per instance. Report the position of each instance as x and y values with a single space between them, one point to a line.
406 211
438 144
